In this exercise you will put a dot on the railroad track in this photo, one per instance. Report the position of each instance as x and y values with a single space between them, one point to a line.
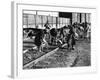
41 57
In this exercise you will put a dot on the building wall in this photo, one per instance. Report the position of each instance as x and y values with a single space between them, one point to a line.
81 17
40 19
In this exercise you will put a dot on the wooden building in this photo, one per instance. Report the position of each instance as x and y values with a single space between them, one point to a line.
37 19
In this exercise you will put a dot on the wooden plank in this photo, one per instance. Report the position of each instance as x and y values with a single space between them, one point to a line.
30 45
29 49
25 51
43 57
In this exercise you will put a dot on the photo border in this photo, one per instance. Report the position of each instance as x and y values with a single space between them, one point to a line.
17 66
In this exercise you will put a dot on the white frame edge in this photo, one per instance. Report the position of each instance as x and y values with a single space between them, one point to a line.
14 35
14 66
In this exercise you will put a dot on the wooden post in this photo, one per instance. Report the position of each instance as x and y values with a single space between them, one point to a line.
36 20
85 17
80 18
56 21
71 19
41 20
27 20
52 20
47 19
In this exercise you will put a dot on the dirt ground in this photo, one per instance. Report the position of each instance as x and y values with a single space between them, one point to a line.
80 56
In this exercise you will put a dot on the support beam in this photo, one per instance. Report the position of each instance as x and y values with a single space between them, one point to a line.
56 21
36 24
85 17
27 20
80 18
